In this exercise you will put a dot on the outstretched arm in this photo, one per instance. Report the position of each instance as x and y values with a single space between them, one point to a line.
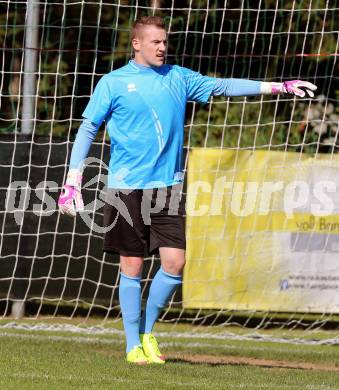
244 87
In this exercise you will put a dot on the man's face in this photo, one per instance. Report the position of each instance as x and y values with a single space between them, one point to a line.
150 46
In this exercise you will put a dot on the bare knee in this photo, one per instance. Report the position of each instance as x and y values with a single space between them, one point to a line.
172 260
131 266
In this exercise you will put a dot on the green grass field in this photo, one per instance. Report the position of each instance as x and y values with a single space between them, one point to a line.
40 359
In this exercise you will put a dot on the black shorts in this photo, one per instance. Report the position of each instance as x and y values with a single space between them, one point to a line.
139 222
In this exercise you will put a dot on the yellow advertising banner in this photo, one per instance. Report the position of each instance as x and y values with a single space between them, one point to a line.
262 231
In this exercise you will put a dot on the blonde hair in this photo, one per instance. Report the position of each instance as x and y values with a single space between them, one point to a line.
140 23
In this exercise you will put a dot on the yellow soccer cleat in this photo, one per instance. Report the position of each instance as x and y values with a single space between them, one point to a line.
137 356
151 348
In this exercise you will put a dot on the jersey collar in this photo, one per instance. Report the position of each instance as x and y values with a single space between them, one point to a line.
145 68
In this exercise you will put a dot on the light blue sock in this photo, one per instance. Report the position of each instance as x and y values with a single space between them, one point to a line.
130 304
161 290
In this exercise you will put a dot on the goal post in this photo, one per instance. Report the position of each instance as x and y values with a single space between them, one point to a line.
261 187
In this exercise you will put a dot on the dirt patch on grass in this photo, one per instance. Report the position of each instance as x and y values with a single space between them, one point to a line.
247 361
229 360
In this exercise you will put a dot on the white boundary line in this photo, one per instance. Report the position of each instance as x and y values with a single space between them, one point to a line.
177 343
99 330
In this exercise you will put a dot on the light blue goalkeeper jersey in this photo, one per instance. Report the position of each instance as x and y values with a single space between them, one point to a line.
144 109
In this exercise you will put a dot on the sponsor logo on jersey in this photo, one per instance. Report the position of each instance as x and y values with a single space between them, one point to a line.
131 87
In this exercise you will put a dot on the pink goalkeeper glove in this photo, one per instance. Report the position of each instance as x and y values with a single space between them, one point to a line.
70 200
293 87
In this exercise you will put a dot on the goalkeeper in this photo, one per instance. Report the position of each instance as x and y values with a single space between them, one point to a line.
143 104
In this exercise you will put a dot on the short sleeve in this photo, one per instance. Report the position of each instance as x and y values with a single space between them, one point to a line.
100 103
199 87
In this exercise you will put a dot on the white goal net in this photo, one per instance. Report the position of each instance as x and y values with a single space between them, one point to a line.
261 172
